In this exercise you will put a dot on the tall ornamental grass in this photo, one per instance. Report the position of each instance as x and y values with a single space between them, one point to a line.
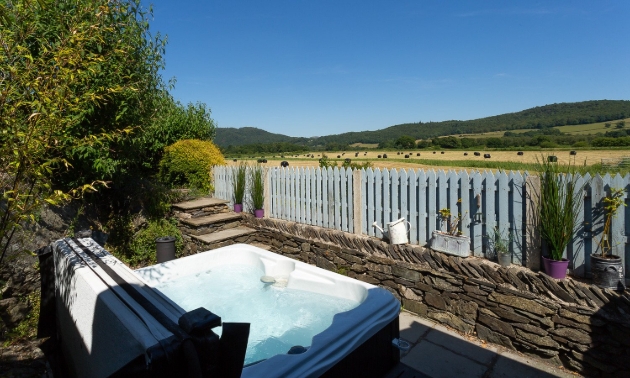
239 177
561 200
257 180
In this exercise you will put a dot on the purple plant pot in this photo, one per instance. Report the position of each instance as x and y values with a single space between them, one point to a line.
556 269
260 213
238 207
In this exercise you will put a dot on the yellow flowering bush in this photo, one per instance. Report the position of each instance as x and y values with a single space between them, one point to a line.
189 162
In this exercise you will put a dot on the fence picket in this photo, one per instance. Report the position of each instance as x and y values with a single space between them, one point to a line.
337 194
370 201
503 209
387 208
618 227
442 201
517 181
490 213
331 199
478 215
344 200
597 216
350 200
431 189
422 208
413 207
464 195
394 190
378 199
307 196
453 195
364 224
404 183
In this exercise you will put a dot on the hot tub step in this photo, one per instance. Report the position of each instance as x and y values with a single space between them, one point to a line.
229 234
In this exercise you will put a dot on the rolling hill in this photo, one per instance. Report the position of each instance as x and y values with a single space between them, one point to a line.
576 113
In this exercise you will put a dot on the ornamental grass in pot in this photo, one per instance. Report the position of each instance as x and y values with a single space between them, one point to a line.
607 269
239 178
257 186
500 244
561 200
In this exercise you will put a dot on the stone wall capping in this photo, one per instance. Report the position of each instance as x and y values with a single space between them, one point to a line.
481 282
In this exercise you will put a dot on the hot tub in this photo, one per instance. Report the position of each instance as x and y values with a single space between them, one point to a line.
352 334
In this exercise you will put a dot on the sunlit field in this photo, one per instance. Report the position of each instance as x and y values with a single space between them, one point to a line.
429 159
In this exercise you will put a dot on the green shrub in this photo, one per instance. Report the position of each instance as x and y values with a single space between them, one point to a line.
142 248
189 163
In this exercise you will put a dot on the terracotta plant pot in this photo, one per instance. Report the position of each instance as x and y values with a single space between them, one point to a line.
259 213
238 207
556 269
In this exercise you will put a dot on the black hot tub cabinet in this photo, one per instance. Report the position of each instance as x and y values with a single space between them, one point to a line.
109 326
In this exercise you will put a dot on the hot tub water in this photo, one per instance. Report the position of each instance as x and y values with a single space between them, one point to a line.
280 317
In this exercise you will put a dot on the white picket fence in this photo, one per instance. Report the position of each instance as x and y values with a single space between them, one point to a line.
350 201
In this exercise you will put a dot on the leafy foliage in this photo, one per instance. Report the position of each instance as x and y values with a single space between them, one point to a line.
142 249
172 122
77 79
405 142
189 162
612 202
499 242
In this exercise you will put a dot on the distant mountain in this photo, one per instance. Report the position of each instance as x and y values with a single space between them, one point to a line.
230 136
562 114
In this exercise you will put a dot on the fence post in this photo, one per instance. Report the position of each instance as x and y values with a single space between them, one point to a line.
267 191
356 201
531 252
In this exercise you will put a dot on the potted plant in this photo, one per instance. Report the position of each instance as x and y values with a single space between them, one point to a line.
560 203
607 268
239 176
500 244
257 185
450 241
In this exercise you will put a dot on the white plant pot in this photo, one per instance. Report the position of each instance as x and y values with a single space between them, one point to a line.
451 244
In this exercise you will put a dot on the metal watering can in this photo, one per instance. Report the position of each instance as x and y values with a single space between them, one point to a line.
397 233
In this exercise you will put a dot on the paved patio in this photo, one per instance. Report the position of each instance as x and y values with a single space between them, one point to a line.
437 351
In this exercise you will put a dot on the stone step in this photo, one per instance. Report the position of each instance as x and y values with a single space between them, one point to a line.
199 203
210 219
231 233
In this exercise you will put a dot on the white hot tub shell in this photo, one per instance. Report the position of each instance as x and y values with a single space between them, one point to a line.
103 329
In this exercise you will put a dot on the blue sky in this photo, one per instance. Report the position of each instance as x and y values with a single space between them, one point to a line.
310 68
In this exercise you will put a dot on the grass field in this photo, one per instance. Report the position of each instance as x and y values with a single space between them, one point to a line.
507 160
590 129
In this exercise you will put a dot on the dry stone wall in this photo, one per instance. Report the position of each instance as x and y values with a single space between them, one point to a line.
566 322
